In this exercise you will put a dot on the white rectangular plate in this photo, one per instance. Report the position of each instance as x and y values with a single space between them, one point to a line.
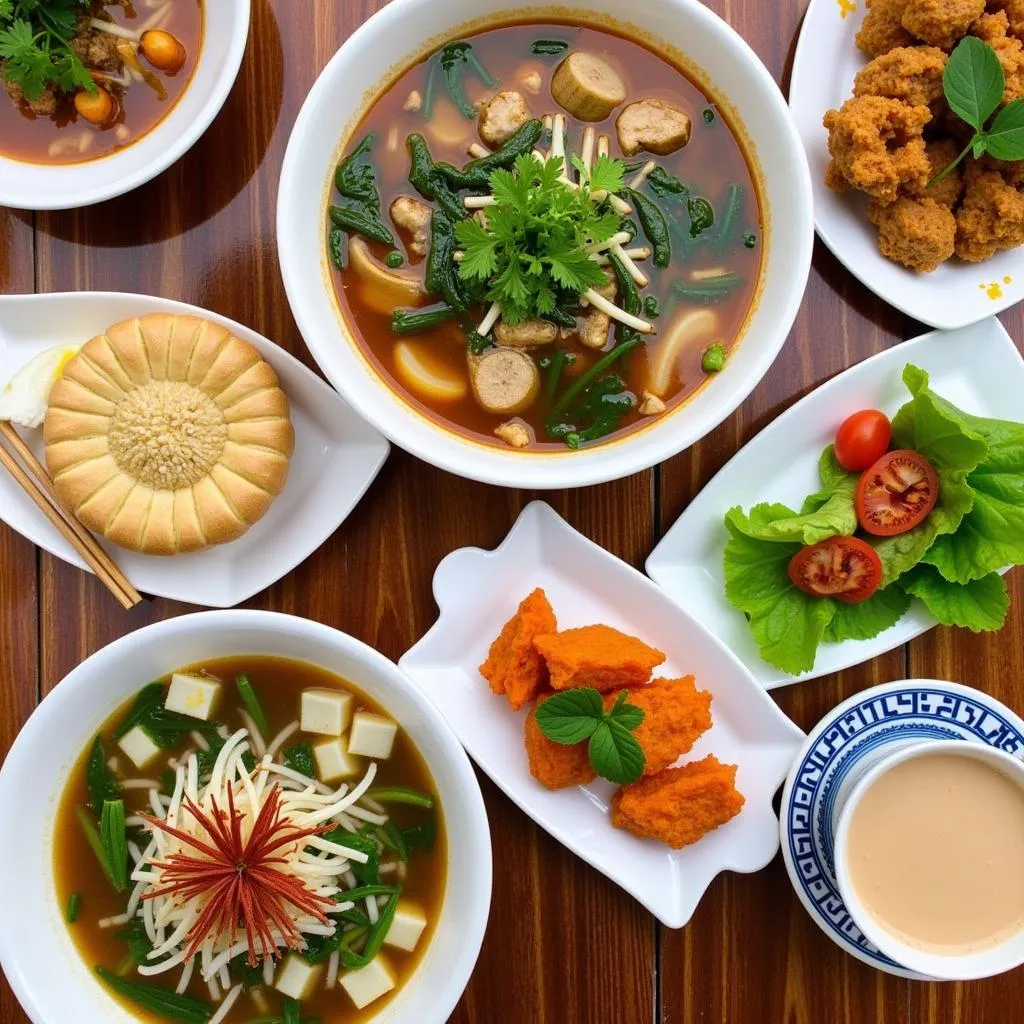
478 591
337 455
976 368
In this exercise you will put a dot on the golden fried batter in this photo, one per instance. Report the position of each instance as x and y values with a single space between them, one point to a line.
912 74
941 153
876 145
882 29
679 806
597 656
553 764
941 22
1010 52
1013 11
991 216
919 233
991 27
513 666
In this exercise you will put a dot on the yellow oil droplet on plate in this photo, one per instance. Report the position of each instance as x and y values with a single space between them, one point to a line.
993 291
846 7
1007 279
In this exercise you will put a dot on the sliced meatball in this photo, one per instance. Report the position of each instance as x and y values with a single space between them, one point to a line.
46 104
919 233
513 434
526 334
413 217
652 125
97 50
587 86
502 116
941 23
505 381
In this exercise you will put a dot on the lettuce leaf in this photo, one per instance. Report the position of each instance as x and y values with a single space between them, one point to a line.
980 605
867 619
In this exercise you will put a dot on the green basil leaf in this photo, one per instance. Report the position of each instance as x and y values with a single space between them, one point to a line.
615 753
1005 139
973 81
572 716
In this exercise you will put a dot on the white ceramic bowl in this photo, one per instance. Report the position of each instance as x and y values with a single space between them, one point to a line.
952 967
33 186
394 37
35 947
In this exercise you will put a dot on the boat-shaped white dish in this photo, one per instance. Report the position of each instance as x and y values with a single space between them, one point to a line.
954 295
977 368
337 455
478 591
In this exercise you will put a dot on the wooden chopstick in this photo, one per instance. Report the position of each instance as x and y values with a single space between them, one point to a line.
37 485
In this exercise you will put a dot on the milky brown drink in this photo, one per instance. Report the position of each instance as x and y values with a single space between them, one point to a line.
936 853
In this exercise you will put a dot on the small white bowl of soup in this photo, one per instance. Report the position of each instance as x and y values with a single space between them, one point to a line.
161 70
570 397
312 739
930 858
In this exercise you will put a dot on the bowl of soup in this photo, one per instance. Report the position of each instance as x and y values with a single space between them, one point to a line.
930 858
240 815
544 247
109 94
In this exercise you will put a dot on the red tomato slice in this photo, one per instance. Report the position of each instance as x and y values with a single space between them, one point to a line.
862 439
845 568
896 493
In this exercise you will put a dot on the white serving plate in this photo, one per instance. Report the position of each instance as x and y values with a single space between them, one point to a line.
337 455
954 295
977 368
478 591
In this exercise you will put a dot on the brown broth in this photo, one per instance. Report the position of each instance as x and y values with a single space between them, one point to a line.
713 159
278 682
28 137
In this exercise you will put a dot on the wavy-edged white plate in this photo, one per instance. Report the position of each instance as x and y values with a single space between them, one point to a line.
977 368
954 295
337 456
478 591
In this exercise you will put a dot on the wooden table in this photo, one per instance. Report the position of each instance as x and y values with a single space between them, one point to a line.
565 945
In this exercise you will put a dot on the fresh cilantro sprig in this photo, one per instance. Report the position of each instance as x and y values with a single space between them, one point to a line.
533 246
35 38
973 83
573 716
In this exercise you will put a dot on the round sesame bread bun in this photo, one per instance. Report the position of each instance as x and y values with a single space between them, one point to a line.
167 434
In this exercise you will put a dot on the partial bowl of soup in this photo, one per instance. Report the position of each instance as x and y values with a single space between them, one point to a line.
99 96
238 816
547 246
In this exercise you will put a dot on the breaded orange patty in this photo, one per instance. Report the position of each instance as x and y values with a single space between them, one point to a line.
552 764
597 656
513 666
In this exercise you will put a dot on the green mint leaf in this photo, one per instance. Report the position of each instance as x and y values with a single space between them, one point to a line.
1005 138
979 606
570 717
979 144
629 716
615 753
973 81
866 619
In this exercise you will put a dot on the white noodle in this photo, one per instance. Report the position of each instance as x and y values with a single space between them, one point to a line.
282 738
225 1007
476 150
200 741
332 969
186 977
631 268
140 784
256 738
587 155
617 239
641 176
489 320
598 300
114 922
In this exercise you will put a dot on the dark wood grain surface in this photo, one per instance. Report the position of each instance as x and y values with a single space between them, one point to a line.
565 945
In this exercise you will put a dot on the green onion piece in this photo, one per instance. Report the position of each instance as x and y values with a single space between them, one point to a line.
102 783
71 910
146 698
708 291
92 836
586 379
374 938
115 842
406 321
367 890
292 1011
400 795
252 704
391 837
394 259
714 358
161 1001
554 375
548 47
430 89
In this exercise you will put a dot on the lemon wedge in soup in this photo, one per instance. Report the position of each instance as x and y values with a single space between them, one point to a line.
23 400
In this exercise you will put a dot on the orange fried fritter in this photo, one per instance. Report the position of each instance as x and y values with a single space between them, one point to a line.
679 806
876 145
942 23
513 666
676 714
1010 52
991 27
991 216
597 656
552 764
1013 11
882 29
941 153
919 233
912 74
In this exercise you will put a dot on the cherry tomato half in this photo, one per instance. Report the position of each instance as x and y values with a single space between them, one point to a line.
896 493
845 568
862 439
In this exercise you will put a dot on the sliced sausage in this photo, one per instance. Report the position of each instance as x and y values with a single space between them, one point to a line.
587 86
527 334
413 217
593 328
505 381
502 116
652 125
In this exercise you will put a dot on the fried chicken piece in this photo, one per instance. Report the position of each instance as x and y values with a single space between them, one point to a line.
919 233
882 30
553 764
991 216
876 145
679 806
941 23
597 656
912 74
941 153
676 715
513 666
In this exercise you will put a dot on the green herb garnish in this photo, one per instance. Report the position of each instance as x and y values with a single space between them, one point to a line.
135 935
165 728
92 836
394 259
400 795
72 907
115 842
102 783
548 47
708 115
714 358
252 704
573 716
161 1001
300 759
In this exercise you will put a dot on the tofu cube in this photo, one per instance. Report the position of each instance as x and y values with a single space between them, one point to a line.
297 979
192 695
325 711
406 927
371 735
369 982
333 762
139 746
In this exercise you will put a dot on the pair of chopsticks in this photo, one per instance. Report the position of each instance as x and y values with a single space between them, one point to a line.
35 482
